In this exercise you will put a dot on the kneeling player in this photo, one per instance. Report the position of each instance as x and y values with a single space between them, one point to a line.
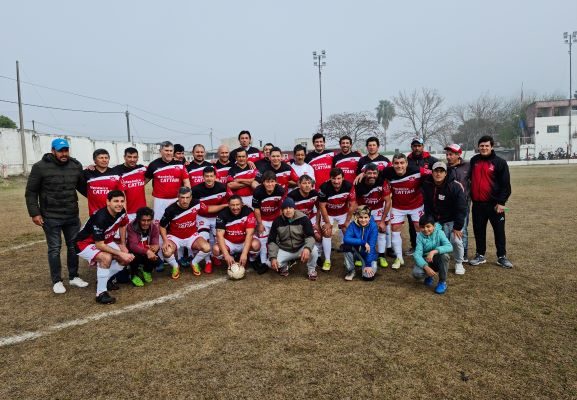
178 231
95 243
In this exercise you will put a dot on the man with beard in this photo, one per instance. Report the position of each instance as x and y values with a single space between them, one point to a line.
196 167
347 160
132 181
320 159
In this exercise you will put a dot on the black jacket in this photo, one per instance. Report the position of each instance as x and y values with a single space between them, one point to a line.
51 188
446 202
290 235
460 172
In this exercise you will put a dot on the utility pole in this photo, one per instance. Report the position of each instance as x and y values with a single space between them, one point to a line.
22 135
128 125
33 126
211 146
318 62
570 39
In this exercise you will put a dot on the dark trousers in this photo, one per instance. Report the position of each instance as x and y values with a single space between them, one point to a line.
412 232
139 259
440 265
53 230
483 213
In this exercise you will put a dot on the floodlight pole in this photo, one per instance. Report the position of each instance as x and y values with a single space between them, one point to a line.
318 58
22 134
570 39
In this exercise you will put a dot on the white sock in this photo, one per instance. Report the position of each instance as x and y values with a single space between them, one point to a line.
102 275
171 260
115 267
327 244
389 236
252 255
381 242
263 249
200 255
397 244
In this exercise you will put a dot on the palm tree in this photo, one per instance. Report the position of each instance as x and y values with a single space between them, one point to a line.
385 114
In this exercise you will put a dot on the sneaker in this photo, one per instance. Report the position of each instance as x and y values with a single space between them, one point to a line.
313 276
283 270
441 288
147 276
76 281
409 252
504 262
327 265
350 275
459 269
112 284
429 281
175 273
397 264
105 298
208 268
160 267
259 267
390 253
59 288
479 259
465 259
195 269
136 281
383 262
358 263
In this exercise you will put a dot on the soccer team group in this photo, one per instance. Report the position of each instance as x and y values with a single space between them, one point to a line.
252 208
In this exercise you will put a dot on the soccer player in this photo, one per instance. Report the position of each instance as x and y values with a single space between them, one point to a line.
99 181
336 202
95 243
347 160
320 159
292 238
490 190
374 192
266 201
252 153
223 163
132 181
263 164
196 167
373 156
285 175
241 178
179 153
168 176
178 231
142 240
299 165
235 234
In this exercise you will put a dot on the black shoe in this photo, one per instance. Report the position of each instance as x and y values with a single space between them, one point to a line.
260 268
105 298
112 284
390 253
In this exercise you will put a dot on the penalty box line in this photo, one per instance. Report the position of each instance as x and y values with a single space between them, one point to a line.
23 337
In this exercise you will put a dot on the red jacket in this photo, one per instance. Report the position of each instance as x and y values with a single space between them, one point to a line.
137 241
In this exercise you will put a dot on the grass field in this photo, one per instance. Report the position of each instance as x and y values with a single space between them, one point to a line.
496 334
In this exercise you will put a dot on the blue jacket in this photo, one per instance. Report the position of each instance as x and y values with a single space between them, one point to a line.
357 236
436 241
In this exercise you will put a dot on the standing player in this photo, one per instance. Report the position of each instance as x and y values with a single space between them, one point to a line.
132 181
285 175
178 231
223 163
241 178
336 201
264 162
179 153
266 201
347 160
299 165
168 176
373 156
95 243
252 153
99 181
320 159
196 167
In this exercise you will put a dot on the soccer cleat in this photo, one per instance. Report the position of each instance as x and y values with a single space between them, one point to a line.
112 284
217 262
175 273
397 264
383 262
504 262
195 269
326 265
208 268
59 288
147 276
76 281
358 263
441 288
136 281
313 276
160 267
390 252
459 269
409 252
105 298
428 281
478 260
350 275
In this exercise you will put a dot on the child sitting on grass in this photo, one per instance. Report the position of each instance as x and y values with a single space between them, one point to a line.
359 244
432 254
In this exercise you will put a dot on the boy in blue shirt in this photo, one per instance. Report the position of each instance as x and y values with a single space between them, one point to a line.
359 244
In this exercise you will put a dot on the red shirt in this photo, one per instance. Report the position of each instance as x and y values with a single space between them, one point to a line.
305 204
181 222
98 185
348 163
167 178
406 189
236 172
284 174
195 172
337 201
222 171
268 204
214 196
100 227
132 183
235 226
322 164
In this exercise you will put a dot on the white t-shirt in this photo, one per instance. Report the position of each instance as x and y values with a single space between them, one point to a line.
304 169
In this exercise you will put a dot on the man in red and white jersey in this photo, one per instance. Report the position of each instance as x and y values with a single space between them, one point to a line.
305 198
347 160
266 201
253 154
320 159
235 227
132 182
223 163
242 178
168 176
374 192
285 175
197 165
95 243
179 153
99 181
299 165
336 202
264 162
178 232
373 156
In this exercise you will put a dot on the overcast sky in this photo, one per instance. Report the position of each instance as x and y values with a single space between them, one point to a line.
233 65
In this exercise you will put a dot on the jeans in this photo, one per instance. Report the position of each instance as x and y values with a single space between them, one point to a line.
353 254
53 230
283 257
465 232
458 248
483 213
440 264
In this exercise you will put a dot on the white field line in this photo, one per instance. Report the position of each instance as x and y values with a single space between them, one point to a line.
23 337
21 246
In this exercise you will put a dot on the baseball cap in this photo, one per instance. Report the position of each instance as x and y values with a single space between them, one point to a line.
59 143
288 202
455 148
416 140
439 164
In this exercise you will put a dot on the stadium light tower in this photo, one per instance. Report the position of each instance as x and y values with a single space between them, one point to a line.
319 62
570 39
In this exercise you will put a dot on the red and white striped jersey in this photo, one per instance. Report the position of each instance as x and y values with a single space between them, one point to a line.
222 171
406 189
284 174
167 178
181 222
322 164
268 204
236 172
98 185
337 201
213 196
305 204
132 182
374 195
235 226
100 227
195 172
348 163
380 161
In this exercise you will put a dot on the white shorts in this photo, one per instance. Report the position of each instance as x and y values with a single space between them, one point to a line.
234 248
339 219
183 243
90 252
398 216
378 215
206 223
267 225
247 201
159 207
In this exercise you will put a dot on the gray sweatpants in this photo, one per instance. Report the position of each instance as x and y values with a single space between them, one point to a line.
458 248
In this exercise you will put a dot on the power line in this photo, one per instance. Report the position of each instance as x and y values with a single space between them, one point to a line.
168 129
63 109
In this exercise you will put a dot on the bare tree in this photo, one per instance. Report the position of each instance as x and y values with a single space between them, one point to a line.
424 115
482 116
359 126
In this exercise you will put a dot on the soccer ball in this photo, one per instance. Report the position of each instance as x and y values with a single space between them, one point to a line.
236 271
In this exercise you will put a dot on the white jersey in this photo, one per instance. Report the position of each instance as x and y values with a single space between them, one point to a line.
304 169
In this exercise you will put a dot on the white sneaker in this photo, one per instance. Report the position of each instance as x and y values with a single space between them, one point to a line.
350 275
397 264
78 282
459 269
59 288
